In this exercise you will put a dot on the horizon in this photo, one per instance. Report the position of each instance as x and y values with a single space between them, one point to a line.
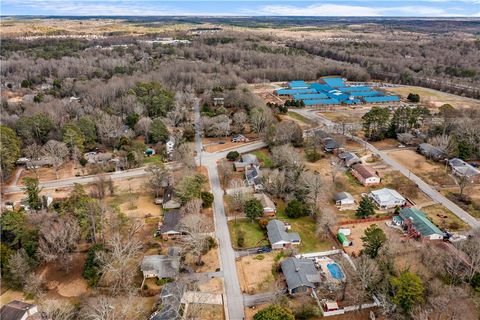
233 8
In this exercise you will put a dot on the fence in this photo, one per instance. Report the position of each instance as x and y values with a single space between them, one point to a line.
364 220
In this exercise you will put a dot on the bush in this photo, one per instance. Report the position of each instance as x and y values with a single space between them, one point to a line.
145 287
313 156
233 155
240 238
83 161
207 199
161 282
253 209
413 97
25 83
91 268
259 257
296 208
263 223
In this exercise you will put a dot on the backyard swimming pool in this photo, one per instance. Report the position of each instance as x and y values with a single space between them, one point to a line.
335 271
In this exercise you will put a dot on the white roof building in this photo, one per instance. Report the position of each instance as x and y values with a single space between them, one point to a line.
387 198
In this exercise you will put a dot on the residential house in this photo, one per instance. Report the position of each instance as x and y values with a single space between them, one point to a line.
330 145
101 157
19 310
170 200
279 237
239 138
349 158
301 275
416 223
387 198
344 200
253 177
171 300
269 209
170 226
160 266
248 160
430 151
460 168
365 175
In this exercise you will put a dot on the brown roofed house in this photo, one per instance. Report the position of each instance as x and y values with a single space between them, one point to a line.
365 175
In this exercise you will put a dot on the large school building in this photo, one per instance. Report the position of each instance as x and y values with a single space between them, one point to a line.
333 90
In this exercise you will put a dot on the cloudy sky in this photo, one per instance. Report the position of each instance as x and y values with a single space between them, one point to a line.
418 8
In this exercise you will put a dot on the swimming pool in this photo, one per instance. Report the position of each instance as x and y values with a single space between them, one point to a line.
335 271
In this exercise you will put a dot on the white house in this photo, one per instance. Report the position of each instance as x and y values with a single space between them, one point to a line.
387 198
462 169
344 200
279 237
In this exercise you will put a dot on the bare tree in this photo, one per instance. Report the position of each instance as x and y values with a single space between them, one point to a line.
159 177
275 182
225 171
239 121
336 168
313 183
196 240
216 126
19 268
34 285
119 262
367 271
57 152
32 152
59 237
56 309
102 182
193 206
444 143
143 127
107 308
184 154
405 138
463 182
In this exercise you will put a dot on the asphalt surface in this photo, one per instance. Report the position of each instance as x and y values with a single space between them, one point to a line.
426 188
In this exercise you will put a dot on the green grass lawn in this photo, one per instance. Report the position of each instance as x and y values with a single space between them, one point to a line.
301 118
263 156
153 159
306 227
254 235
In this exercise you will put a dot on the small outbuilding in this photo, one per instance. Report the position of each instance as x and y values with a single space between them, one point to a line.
349 158
344 200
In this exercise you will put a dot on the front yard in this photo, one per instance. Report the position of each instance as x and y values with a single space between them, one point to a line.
444 218
254 235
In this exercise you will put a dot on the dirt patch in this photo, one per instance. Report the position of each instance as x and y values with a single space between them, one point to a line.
251 311
211 261
386 144
430 171
444 218
138 206
214 285
66 284
10 295
221 144
255 273
67 170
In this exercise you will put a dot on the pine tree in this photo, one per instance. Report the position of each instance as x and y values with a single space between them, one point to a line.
365 208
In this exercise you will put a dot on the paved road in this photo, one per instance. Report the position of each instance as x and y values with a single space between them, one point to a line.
233 292
426 188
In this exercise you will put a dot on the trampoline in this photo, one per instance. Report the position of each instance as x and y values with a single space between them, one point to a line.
335 271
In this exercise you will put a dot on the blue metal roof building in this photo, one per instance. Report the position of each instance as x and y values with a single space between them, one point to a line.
298 84
354 88
310 96
371 93
294 91
334 81
321 101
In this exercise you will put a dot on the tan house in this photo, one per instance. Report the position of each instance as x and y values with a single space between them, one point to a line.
269 209
365 175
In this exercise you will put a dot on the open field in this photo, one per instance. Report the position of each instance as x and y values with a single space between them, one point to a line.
430 171
434 98
358 231
220 144
255 273
205 311
264 157
444 218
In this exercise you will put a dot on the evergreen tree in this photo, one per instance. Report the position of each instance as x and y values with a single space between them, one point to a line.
253 209
33 190
373 240
365 208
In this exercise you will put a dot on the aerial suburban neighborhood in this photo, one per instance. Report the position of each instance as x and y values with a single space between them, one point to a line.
163 167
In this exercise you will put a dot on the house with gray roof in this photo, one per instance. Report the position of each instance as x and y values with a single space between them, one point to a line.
330 145
279 236
160 266
349 158
462 169
19 310
170 226
253 177
344 200
430 151
248 160
301 275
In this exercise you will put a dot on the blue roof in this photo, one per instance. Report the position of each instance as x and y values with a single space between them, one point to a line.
381 99
355 88
297 84
352 101
334 81
365 93
310 96
338 96
321 101
294 91
321 87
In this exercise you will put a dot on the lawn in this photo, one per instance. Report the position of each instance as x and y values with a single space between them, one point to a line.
301 118
306 227
152 159
254 234
264 157
444 218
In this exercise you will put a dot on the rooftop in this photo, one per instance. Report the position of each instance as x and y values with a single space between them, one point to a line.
364 171
420 221
276 232
164 266
387 195
300 272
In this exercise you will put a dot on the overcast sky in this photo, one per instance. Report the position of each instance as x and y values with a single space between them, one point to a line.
419 8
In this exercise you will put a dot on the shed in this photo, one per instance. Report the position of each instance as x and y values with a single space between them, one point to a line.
343 239
343 200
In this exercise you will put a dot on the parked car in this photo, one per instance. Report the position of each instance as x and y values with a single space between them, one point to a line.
158 201
264 250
